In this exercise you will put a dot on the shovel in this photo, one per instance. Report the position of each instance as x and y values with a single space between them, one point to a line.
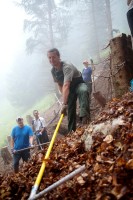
97 95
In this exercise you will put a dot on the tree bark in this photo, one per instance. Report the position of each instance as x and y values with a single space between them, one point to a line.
95 29
29 119
121 52
50 23
9 142
109 19
5 154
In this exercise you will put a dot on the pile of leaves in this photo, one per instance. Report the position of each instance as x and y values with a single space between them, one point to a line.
109 163
118 107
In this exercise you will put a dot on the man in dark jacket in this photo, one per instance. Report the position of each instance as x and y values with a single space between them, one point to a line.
71 85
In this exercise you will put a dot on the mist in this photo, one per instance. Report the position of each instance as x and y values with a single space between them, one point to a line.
27 33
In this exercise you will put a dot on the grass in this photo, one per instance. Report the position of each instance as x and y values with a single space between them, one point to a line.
9 114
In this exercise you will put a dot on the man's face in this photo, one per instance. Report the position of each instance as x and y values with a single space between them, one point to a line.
36 114
86 64
54 59
20 123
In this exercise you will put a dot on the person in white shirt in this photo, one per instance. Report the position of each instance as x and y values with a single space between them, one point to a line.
130 15
39 128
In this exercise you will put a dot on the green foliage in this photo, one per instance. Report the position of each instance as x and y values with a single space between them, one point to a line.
26 83
47 23
92 20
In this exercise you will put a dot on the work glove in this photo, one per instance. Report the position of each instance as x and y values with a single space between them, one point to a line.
64 109
13 151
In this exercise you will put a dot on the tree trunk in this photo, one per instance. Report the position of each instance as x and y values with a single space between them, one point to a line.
7 158
109 20
121 64
50 23
29 119
9 141
95 30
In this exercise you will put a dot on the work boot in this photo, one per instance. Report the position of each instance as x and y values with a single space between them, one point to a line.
85 120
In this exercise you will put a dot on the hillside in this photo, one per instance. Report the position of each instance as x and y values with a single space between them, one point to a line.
106 151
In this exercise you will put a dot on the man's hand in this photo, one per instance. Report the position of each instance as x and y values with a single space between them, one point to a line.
13 151
39 133
64 109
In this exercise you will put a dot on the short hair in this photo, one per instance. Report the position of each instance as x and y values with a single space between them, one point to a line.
54 50
35 111
19 119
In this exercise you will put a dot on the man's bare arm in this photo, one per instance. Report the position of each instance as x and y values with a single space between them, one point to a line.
60 88
65 91
31 140
33 128
128 2
43 129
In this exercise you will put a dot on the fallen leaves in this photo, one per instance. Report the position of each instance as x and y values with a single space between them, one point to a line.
80 180
108 139
109 163
129 164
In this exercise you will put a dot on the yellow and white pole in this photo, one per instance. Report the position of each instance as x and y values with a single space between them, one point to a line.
41 172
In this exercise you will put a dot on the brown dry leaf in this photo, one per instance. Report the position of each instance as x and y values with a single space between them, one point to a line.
114 180
108 139
111 168
96 167
80 180
120 162
70 168
129 164
109 179
130 135
111 111
84 175
98 158
109 161
103 147
119 191
121 109
77 166
118 145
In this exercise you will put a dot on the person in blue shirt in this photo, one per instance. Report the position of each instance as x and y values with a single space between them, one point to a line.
21 137
86 74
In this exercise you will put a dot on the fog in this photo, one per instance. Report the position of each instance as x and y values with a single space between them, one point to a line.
25 38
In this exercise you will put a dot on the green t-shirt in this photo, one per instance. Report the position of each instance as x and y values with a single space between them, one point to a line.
69 73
